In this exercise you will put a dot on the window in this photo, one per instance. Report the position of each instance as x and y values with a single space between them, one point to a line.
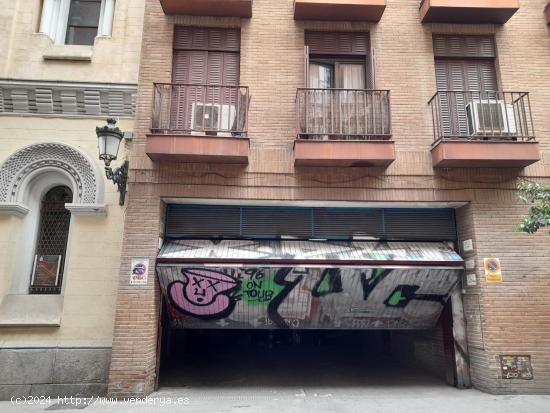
467 85
207 96
340 74
51 245
344 60
77 22
83 22
338 100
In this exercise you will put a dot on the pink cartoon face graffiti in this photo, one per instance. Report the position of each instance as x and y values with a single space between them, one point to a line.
204 293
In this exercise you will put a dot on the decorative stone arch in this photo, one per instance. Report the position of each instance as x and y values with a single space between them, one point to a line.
17 171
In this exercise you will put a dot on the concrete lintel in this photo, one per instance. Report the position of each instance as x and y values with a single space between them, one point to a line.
99 210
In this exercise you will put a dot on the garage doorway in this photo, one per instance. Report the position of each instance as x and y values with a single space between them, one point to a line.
264 296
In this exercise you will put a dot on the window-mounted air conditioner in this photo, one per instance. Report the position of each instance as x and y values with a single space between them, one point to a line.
491 117
213 117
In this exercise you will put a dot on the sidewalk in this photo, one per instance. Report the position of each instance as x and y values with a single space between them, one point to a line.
376 399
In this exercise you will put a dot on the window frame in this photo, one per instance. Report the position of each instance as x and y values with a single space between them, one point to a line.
336 63
99 23
54 20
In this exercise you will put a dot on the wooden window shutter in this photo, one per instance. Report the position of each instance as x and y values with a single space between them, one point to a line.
333 43
213 39
231 69
203 58
466 77
472 75
464 46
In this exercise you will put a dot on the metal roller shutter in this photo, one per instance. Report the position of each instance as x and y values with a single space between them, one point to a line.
233 222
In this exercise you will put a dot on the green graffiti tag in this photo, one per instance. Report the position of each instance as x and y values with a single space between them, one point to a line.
260 288
395 299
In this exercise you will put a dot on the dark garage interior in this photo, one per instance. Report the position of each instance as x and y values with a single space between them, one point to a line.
304 358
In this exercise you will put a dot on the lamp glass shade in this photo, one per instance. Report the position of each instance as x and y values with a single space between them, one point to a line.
108 145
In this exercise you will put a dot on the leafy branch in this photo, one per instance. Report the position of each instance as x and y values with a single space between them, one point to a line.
539 213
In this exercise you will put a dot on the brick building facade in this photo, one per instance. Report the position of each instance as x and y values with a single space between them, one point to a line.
505 318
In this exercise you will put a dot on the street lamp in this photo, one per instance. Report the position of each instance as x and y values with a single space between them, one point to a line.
108 141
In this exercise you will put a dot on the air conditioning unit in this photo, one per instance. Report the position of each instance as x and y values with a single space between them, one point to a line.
213 117
491 117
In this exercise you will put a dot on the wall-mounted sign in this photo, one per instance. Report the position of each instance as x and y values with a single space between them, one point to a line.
493 270
516 367
468 245
471 280
469 264
140 272
46 270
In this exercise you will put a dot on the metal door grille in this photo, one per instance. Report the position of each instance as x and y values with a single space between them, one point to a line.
53 232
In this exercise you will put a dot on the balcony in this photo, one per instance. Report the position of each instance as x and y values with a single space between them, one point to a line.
199 123
483 129
359 10
343 127
216 8
468 11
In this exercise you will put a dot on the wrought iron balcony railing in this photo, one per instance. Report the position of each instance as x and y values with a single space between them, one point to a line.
482 115
200 109
343 114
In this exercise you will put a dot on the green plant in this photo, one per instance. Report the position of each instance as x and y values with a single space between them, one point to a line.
539 213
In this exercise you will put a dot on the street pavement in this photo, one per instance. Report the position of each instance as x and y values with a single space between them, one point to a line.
403 398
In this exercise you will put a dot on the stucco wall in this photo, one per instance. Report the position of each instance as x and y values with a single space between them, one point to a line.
64 356
90 282
115 59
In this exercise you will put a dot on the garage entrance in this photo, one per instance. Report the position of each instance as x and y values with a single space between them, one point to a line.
290 358
310 312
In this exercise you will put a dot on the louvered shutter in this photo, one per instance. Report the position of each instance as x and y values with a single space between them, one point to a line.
230 75
204 57
466 78
212 39
231 95
488 75
333 43
190 68
464 46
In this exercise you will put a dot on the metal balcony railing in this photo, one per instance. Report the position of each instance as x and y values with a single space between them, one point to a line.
200 109
482 115
343 114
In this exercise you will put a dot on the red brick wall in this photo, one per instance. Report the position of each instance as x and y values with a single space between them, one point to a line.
511 317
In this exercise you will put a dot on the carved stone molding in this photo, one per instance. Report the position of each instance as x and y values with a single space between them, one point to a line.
88 184
67 98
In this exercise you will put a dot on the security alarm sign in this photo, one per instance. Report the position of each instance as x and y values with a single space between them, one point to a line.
139 272
493 270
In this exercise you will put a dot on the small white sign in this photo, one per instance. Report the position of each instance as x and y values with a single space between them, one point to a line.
139 272
470 264
471 280
468 245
